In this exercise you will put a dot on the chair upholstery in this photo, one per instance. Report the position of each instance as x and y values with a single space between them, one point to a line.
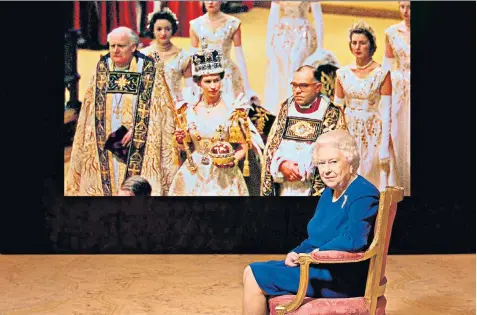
374 301
310 306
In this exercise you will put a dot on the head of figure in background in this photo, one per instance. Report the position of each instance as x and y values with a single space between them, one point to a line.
212 6
208 71
405 10
335 153
362 40
163 25
122 45
326 75
305 86
135 186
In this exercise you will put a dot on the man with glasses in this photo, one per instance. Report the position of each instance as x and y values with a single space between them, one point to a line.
126 124
287 169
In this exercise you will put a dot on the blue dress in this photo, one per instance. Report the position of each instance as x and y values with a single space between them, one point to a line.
341 225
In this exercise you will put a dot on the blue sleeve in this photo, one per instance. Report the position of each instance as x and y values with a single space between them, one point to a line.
305 247
354 237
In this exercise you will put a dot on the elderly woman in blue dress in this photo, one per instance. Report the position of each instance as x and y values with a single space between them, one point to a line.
344 220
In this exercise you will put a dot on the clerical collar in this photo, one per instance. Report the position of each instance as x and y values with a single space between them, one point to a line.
121 68
310 108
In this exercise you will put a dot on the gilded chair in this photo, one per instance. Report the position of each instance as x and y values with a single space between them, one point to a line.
374 301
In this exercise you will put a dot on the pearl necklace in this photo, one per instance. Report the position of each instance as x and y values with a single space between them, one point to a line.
365 66
210 106
164 48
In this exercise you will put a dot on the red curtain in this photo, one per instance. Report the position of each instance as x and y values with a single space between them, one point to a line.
76 15
149 9
186 11
249 4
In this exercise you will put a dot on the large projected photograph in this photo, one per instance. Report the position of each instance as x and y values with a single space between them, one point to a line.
233 98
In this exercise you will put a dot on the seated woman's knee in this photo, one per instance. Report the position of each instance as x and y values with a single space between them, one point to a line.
246 273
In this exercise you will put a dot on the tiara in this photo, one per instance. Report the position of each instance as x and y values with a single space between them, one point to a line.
163 10
361 25
207 61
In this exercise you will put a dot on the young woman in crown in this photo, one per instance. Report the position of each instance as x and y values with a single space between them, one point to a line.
364 89
290 41
218 31
162 26
398 49
216 134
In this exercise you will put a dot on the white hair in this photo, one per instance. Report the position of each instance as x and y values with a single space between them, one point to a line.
342 141
133 37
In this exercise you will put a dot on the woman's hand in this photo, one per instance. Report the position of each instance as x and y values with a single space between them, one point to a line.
291 259
229 165
180 136
241 102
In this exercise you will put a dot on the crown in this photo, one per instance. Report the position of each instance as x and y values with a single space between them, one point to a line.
361 25
207 61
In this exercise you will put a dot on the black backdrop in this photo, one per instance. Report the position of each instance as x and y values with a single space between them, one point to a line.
36 218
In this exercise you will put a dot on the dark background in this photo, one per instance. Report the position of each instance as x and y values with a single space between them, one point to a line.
36 218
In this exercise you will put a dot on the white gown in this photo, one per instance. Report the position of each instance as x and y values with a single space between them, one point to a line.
362 113
222 39
210 180
173 71
290 41
401 108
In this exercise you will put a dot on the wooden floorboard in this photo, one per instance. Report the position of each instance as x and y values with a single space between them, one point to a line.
204 284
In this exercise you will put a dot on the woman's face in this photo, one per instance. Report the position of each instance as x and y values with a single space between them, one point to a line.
405 9
212 6
334 168
211 84
162 31
360 45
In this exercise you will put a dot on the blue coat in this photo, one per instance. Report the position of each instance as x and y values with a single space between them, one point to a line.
347 225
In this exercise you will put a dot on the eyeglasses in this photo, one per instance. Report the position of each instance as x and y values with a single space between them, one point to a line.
302 86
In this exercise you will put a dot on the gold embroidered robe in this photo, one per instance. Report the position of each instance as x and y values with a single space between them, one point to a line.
332 118
146 108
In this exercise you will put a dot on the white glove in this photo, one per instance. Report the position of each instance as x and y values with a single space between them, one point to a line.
242 102
388 63
190 91
239 56
340 102
385 112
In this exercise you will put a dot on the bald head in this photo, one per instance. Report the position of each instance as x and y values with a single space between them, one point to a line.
309 70
122 45
124 31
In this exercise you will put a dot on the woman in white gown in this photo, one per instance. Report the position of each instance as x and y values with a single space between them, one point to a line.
162 26
218 31
365 89
290 41
220 132
398 48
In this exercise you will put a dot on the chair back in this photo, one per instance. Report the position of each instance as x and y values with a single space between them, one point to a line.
376 283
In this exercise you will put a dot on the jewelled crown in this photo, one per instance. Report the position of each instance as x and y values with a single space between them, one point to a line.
207 61
361 25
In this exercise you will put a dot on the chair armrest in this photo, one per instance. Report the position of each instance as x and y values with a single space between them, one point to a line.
336 257
324 257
